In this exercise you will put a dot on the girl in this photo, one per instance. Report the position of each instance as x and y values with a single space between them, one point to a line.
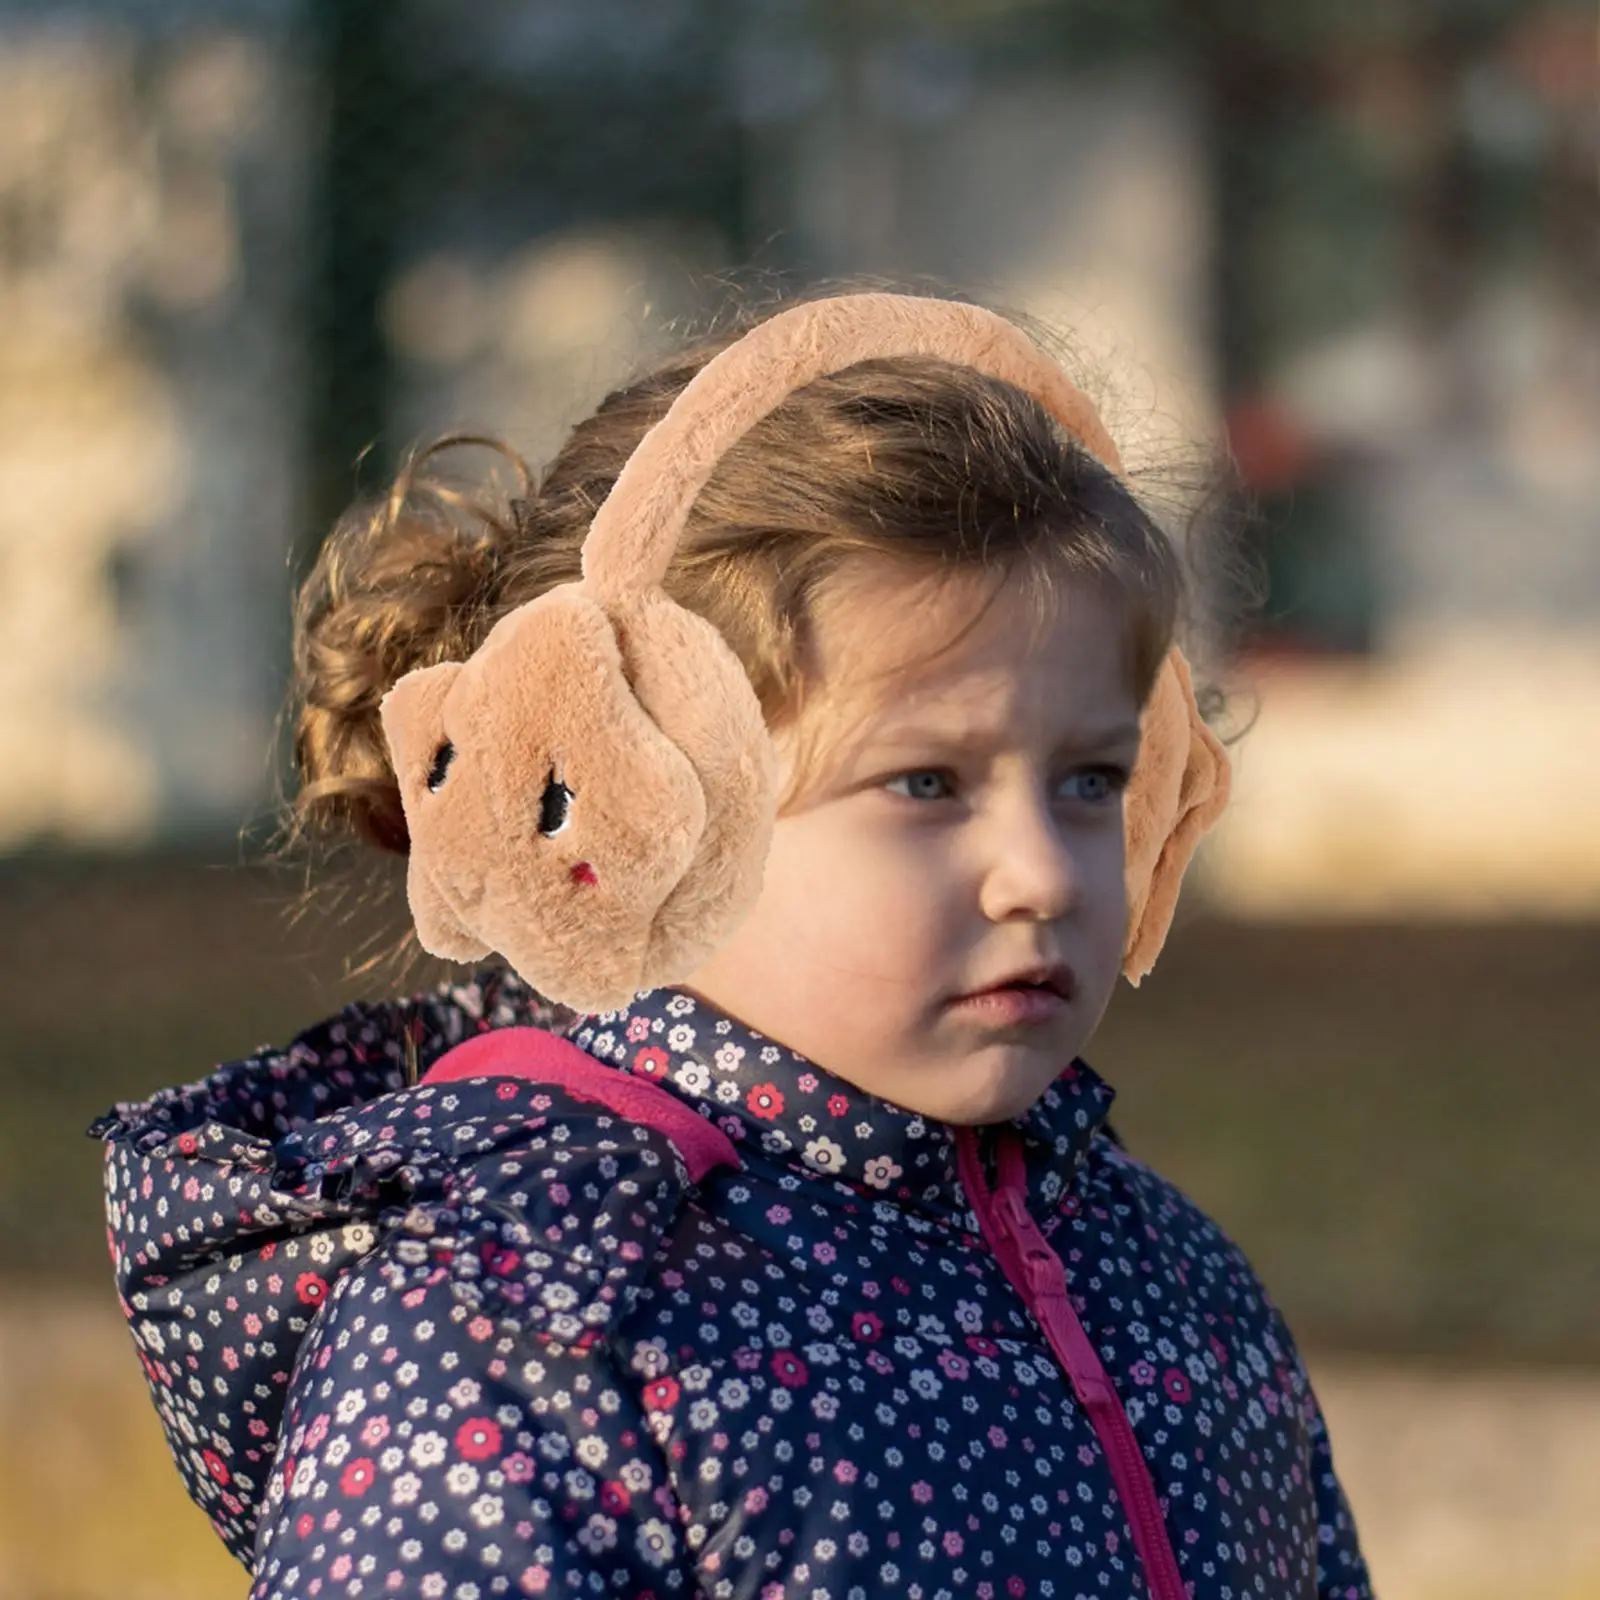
833 1280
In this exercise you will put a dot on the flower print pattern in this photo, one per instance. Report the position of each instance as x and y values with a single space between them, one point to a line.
881 1172
765 1101
651 1063
488 1342
824 1155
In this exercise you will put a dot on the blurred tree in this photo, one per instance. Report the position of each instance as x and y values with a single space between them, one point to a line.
491 126
368 104
1322 229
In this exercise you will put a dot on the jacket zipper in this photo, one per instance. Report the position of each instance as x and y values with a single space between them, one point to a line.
1036 1272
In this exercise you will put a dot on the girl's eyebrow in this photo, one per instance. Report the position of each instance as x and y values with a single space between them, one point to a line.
1080 742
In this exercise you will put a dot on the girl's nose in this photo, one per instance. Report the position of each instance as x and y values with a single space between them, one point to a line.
1031 867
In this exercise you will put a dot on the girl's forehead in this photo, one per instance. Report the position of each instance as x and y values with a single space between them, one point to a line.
960 650
874 617
885 632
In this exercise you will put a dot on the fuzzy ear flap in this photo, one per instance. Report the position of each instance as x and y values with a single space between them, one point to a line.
412 715
1179 789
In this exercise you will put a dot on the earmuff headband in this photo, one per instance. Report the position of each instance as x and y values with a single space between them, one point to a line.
635 532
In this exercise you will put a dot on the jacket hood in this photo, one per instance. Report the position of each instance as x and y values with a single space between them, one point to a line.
235 1203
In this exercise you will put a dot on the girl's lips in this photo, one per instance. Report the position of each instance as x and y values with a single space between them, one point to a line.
1009 1007
1055 976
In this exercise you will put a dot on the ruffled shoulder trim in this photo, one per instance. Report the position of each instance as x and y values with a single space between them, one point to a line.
544 1208
342 1061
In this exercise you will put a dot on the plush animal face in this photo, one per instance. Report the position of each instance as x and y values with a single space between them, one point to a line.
530 835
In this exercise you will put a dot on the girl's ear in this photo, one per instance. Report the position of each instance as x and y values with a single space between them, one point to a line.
1179 788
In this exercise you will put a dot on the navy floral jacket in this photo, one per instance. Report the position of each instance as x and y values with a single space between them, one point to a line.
485 1336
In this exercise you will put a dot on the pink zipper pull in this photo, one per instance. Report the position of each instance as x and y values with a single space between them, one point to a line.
1046 1279
1011 1211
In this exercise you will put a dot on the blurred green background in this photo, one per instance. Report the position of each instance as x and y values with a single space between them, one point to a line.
252 249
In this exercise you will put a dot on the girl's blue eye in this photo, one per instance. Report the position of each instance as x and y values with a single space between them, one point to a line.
1106 782
926 772
1115 779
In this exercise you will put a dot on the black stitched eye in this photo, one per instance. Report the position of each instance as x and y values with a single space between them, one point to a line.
553 807
442 757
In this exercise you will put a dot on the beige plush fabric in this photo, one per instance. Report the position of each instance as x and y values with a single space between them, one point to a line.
1180 787
604 707
636 531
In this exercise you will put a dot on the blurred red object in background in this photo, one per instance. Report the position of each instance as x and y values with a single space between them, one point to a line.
1272 448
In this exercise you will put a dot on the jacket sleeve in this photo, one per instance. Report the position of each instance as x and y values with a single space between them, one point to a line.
428 1450
1341 1567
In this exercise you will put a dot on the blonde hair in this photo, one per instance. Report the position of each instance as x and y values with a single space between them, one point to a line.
915 461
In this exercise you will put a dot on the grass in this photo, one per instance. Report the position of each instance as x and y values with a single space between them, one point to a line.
91 1505
1396 1123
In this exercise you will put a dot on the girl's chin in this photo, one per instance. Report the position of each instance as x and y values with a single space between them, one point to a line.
977 1095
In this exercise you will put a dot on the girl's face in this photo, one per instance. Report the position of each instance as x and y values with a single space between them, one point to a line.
967 826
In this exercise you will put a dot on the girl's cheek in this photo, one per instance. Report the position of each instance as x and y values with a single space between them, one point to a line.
1102 888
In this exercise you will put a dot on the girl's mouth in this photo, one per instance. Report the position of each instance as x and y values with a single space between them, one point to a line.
1014 1004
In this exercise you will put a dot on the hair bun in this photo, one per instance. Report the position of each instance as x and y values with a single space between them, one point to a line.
403 581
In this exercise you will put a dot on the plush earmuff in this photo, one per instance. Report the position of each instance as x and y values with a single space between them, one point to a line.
592 794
